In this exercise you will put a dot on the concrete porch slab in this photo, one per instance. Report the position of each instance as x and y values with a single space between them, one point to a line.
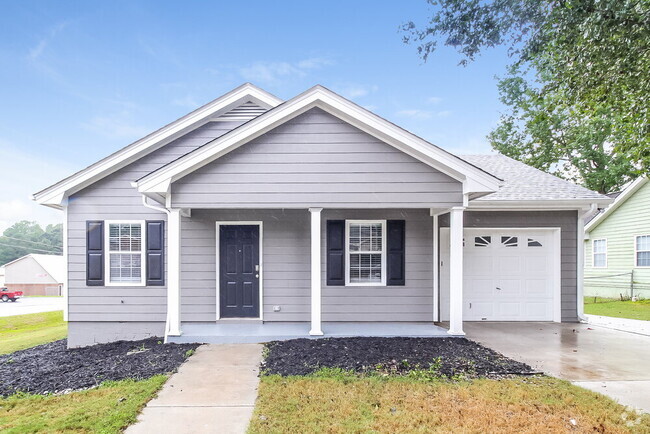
255 332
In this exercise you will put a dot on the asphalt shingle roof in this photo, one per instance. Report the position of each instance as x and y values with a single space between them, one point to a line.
523 182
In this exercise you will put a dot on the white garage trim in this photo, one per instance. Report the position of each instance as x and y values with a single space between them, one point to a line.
555 235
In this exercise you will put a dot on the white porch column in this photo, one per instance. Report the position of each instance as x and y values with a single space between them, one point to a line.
173 273
456 271
315 272
436 267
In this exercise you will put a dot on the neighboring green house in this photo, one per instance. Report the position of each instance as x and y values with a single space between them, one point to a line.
617 246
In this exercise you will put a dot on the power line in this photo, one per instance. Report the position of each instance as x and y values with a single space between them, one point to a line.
27 248
33 242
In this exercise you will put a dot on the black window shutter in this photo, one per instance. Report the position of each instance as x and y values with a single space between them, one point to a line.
396 260
336 252
95 253
155 252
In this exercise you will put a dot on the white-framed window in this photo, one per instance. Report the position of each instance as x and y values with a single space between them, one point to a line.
599 253
125 253
365 251
642 251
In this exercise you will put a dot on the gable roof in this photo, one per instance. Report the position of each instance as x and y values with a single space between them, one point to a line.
253 99
475 180
524 183
53 265
620 200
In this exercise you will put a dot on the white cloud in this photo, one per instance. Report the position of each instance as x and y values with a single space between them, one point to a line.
270 72
423 114
36 51
434 100
415 113
187 101
22 175
352 91
117 126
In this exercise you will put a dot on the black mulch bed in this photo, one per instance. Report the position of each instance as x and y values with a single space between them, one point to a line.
458 356
52 368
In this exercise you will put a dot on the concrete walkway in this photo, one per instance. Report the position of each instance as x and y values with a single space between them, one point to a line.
213 392
611 362
623 324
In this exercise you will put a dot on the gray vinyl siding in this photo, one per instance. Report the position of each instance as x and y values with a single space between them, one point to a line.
567 221
286 268
316 159
411 302
113 198
285 273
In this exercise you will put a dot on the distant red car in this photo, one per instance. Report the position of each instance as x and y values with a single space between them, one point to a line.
6 295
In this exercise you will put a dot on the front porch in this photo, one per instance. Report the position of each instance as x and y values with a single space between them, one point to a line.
293 292
257 332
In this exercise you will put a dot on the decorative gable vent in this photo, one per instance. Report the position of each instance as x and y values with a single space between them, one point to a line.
244 112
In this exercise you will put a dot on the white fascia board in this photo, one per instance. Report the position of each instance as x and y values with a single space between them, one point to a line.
535 205
620 199
55 194
337 106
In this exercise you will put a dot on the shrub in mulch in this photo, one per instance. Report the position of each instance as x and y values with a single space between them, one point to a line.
449 357
53 368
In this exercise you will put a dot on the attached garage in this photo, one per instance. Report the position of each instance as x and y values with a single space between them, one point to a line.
509 274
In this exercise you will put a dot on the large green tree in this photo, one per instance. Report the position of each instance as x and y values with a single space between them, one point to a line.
27 237
578 91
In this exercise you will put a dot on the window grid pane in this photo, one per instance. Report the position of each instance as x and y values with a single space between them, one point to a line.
643 251
365 259
125 247
600 260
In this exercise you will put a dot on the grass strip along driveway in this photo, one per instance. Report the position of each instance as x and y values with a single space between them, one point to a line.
619 309
451 393
25 331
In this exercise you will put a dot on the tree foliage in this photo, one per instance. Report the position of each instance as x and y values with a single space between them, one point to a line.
578 91
27 237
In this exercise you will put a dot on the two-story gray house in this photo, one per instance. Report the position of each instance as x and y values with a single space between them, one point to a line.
253 218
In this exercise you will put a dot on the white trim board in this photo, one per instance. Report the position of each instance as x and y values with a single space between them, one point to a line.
474 180
260 224
54 195
557 254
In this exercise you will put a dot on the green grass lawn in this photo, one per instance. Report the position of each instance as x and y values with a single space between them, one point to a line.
107 409
25 331
344 404
617 308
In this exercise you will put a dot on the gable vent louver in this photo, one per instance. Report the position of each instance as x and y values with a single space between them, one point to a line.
244 112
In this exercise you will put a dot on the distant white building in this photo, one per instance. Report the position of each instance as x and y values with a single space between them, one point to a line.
35 274
2 277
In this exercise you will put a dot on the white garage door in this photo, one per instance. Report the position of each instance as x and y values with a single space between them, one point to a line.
510 275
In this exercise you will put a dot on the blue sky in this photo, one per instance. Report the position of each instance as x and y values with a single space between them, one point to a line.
81 79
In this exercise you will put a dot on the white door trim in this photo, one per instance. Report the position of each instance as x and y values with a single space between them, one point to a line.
260 224
557 259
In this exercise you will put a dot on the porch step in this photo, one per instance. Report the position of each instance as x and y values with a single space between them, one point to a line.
236 333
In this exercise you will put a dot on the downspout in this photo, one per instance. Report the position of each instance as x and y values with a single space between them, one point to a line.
166 211
581 261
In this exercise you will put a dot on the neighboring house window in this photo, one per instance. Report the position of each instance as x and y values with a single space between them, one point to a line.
642 249
366 247
125 258
599 253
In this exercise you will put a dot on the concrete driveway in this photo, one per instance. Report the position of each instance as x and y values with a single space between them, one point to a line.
27 305
611 362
